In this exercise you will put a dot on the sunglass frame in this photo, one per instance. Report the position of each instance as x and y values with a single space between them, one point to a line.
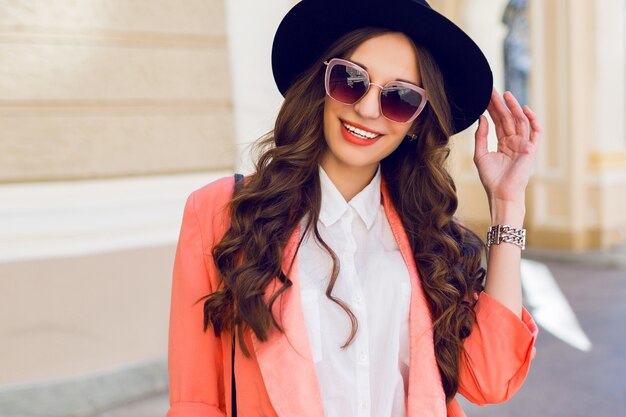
339 61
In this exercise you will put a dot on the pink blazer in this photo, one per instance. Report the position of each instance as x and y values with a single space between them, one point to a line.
279 379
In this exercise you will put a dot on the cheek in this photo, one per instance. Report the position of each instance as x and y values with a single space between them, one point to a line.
330 106
331 121
401 130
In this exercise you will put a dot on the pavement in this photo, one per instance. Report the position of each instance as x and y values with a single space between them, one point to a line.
564 381
568 382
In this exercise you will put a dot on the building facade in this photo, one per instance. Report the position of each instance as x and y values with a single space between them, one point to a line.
112 111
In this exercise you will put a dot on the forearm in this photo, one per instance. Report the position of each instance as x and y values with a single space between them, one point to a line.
503 267
505 173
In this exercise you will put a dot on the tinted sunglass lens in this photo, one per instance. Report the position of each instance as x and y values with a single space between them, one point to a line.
400 103
347 84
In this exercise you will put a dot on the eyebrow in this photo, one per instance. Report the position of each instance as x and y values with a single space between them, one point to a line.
397 79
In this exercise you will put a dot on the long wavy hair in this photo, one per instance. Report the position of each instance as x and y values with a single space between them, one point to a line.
285 187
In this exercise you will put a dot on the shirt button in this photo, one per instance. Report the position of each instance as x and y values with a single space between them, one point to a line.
363 357
358 299
363 404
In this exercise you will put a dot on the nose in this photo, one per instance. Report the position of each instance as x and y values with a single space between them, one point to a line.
369 106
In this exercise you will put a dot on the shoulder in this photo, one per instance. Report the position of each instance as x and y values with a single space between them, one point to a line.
210 203
213 195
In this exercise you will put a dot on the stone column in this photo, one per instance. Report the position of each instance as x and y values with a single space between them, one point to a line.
578 195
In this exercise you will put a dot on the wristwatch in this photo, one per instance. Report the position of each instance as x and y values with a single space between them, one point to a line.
508 234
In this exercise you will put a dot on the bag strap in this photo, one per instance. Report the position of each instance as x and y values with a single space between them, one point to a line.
238 184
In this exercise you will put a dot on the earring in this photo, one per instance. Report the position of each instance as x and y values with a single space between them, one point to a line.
412 137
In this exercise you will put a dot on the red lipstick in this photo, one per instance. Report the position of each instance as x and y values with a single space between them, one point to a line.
352 138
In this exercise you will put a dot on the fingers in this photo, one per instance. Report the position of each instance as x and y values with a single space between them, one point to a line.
481 147
500 115
536 131
509 118
521 121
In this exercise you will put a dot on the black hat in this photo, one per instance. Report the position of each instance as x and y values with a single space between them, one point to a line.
311 26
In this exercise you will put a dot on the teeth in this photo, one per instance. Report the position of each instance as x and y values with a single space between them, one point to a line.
360 132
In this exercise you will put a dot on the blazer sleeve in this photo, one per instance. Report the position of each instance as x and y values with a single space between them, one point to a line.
497 353
195 364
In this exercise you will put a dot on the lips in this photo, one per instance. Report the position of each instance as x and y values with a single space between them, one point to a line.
357 140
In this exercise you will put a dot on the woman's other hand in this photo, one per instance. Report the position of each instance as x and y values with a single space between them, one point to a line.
504 173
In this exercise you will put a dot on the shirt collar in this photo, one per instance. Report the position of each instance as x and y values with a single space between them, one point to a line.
366 203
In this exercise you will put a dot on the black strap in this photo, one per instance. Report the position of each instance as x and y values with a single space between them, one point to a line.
233 388
283 278
233 385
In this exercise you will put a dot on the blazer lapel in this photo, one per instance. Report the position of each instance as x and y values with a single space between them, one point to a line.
286 360
426 397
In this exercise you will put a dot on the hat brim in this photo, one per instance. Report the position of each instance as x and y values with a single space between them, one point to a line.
311 26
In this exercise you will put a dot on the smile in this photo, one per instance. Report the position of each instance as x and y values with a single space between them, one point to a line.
360 133
359 136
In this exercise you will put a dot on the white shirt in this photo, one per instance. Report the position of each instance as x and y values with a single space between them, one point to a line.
368 378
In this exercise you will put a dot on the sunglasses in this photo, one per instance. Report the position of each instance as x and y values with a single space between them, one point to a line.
347 83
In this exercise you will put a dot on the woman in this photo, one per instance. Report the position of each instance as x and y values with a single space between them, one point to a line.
352 289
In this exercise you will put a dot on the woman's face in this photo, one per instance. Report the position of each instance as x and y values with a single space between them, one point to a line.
387 57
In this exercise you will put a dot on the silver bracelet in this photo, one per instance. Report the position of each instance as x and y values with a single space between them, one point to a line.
503 233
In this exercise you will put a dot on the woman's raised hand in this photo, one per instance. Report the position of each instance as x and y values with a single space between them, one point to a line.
504 173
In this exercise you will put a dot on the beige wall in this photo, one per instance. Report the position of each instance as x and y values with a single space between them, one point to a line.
111 88
93 93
